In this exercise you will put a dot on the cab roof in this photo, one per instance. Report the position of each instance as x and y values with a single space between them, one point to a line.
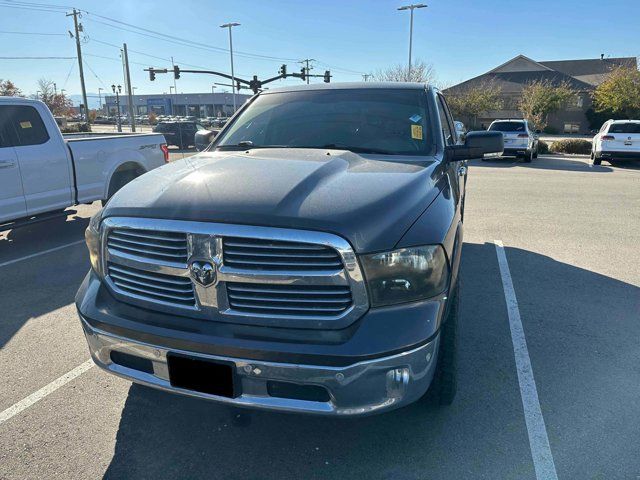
350 85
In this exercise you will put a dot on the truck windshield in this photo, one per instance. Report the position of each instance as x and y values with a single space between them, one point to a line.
373 120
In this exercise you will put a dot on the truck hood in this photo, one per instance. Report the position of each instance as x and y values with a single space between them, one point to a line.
366 199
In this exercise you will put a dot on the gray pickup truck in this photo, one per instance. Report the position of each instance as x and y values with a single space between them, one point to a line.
307 261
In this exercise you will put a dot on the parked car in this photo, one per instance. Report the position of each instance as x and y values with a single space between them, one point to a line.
43 171
617 140
307 262
203 138
520 139
179 133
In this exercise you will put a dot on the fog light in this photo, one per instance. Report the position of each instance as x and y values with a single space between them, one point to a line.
397 381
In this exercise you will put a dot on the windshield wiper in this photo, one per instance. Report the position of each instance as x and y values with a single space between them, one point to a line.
246 145
342 146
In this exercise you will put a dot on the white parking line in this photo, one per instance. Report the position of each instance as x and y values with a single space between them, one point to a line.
538 440
26 402
10 262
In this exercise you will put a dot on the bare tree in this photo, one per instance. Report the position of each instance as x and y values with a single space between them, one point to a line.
58 103
9 89
421 72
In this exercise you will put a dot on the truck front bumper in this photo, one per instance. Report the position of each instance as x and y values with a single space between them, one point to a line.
362 388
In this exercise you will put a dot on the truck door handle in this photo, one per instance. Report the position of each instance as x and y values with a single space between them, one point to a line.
7 164
462 171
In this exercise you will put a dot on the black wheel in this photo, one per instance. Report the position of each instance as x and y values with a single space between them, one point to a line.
535 154
595 160
528 157
445 380
118 182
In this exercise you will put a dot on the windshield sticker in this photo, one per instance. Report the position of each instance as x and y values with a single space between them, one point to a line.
416 132
415 118
25 124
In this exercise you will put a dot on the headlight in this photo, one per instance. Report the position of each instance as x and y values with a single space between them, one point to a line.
92 237
405 275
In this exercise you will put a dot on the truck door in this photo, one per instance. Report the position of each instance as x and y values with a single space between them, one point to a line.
43 160
12 202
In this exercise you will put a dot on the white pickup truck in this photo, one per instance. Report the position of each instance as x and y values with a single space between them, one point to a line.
43 172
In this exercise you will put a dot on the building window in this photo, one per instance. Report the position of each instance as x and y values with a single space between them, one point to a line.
571 128
580 101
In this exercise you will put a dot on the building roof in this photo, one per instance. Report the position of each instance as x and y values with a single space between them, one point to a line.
514 82
591 66
584 74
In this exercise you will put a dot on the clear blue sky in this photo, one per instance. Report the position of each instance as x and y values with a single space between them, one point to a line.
461 38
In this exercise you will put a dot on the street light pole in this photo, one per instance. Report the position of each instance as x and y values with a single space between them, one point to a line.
117 90
99 96
411 8
233 78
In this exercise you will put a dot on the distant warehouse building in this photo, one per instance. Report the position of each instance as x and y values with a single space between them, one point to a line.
187 104
511 77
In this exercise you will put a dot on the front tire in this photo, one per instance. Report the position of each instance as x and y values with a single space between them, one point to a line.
595 160
445 379
528 157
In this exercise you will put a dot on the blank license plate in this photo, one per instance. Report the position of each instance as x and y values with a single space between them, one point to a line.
214 378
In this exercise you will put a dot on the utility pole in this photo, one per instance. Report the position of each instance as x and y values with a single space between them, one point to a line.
78 29
411 8
307 68
233 77
132 119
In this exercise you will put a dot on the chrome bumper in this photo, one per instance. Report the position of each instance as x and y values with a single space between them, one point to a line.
362 388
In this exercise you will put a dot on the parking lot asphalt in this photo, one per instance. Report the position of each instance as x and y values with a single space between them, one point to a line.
570 235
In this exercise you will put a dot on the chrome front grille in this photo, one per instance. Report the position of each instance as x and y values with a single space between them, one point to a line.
289 299
264 254
153 245
153 286
260 274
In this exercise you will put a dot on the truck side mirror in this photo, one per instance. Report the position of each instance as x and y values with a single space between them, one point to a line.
476 144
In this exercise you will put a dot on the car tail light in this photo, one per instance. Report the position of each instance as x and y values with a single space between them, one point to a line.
523 135
607 137
165 151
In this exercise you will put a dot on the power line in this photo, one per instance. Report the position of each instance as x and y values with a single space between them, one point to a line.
33 33
94 74
38 58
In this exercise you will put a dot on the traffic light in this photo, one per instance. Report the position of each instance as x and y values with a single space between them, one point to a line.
152 74
303 73
283 70
176 72
327 76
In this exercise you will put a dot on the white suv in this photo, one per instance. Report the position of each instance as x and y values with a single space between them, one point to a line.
617 140
520 140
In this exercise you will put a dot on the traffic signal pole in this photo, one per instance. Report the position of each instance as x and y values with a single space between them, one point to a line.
254 84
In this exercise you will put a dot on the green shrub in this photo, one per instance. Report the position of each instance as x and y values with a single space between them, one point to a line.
549 130
576 146
543 147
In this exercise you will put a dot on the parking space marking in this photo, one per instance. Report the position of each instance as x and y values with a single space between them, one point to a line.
26 402
10 262
536 429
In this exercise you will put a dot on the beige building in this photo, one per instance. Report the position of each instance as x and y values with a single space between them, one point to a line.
512 76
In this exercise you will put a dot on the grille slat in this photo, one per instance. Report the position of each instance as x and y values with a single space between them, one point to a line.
262 254
155 287
152 245
301 300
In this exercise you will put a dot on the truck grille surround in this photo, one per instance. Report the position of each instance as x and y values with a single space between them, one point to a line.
300 278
